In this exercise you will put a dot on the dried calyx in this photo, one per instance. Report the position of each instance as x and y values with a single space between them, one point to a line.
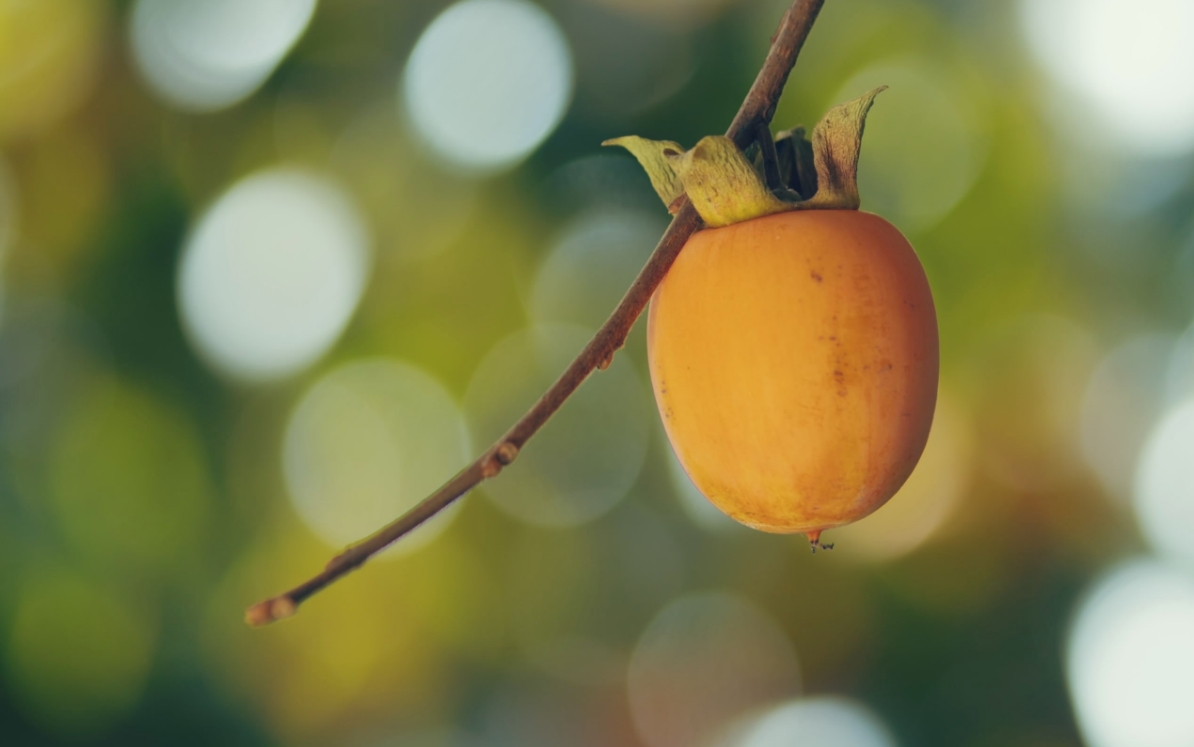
727 186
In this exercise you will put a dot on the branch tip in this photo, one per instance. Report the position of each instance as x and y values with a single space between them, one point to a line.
271 610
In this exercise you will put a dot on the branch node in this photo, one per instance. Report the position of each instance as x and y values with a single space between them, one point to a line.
338 559
506 453
491 468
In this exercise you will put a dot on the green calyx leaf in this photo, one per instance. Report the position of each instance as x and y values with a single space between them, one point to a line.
722 185
726 188
837 141
653 155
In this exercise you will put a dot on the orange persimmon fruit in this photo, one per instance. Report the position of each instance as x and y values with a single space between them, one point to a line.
794 359
793 343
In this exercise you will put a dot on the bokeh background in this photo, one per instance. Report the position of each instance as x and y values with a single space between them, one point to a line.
274 269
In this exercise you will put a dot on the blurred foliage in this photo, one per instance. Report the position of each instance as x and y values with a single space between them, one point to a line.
143 503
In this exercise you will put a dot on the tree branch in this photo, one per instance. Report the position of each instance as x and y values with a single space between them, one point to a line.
756 111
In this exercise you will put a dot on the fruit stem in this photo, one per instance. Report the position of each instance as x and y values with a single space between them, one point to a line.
757 109
770 157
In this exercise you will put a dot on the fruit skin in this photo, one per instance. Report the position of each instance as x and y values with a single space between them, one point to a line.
794 360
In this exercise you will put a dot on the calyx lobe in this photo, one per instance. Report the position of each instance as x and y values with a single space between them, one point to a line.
726 187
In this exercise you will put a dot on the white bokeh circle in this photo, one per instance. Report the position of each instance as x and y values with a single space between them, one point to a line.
487 82
706 660
204 56
594 260
588 455
271 274
366 443
1143 93
926 145
824 720
1123 398
1130 658
1164 491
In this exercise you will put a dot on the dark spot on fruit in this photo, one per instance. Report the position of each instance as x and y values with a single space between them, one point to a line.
840 379
815 276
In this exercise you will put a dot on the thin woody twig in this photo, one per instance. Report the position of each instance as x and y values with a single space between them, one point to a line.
757 110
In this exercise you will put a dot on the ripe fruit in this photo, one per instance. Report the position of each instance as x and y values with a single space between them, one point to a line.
794 361
793 344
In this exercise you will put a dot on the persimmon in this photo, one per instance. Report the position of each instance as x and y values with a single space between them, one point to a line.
793 343
794 362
